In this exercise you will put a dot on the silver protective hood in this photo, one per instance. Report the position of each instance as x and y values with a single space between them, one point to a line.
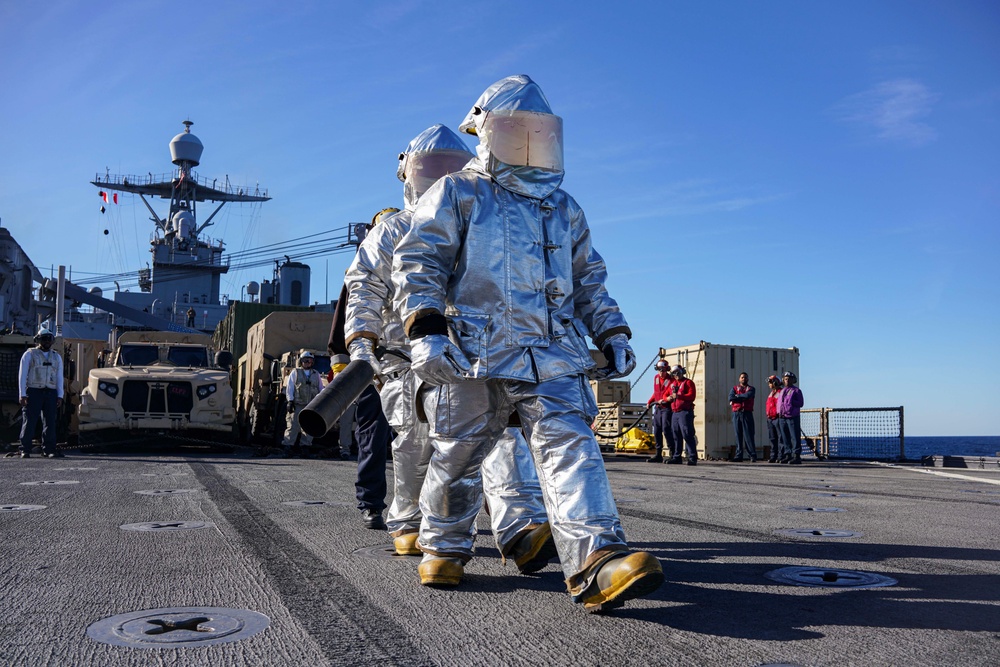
516 102
435 152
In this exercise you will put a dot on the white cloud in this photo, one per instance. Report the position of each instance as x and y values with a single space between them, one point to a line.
894 109
693 196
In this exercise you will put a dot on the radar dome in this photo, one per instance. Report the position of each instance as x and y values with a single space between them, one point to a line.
96 291
183 224
253 288
186 147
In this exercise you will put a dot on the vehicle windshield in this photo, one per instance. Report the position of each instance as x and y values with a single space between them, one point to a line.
188 356
138 355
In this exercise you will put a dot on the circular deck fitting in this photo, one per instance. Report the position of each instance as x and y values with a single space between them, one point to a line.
166 492
834 495
815 509
178 626
816 533
50 483
163 526
310 503
21 508
829 578
383 552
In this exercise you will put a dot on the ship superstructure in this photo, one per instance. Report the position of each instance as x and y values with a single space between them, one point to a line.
186 268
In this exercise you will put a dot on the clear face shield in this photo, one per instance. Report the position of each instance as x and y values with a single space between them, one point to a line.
422 170
524 138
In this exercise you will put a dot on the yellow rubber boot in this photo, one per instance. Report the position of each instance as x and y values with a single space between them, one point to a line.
441 572
534 550
622 579
406 545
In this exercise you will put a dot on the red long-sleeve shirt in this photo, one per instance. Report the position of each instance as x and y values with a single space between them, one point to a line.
686 394
661 389
772 405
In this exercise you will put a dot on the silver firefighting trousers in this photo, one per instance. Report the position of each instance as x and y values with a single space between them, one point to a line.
513 494
467 417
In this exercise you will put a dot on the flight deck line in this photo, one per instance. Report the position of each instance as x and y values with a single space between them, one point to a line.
942 474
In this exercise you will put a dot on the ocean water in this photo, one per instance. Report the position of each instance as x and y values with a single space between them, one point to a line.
964 445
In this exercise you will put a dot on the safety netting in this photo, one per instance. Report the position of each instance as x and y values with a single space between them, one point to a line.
856 433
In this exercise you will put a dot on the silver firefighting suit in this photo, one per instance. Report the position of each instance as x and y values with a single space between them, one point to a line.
497 284
509 481
303 386
513 491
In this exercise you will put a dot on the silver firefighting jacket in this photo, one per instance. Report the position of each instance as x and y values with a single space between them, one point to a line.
509 261
369 289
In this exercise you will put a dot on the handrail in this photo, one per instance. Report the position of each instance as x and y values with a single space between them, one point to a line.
168 178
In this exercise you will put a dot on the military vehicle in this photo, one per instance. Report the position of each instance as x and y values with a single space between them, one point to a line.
159 383
273 346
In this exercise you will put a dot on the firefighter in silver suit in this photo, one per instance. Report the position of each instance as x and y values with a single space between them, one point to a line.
497 284
514 496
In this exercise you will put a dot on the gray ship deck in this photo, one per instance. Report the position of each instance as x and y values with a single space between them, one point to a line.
714 527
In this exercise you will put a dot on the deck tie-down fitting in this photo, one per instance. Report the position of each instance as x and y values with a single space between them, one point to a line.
192 625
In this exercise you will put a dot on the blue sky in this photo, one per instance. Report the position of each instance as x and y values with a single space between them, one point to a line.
818 175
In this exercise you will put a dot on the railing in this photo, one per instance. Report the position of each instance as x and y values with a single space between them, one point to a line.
855 433
159 179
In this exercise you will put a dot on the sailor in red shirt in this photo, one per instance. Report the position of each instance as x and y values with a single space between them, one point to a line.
741 399
771 407
682 395
662 413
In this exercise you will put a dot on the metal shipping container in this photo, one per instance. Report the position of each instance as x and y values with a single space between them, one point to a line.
611 391
715 369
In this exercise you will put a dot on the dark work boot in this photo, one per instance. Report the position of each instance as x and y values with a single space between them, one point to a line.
373 519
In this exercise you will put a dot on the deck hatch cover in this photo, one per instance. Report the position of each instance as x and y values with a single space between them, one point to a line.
814 509
382 552
166 526
816 533
310 503
21 508
178 626
829 577
165 492
50 482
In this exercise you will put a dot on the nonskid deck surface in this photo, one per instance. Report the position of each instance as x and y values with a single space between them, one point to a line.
283 538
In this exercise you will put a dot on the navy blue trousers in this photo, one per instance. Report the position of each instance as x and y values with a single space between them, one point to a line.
663 428
41 402
683 425
373 435
774 435
744 427
791 443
